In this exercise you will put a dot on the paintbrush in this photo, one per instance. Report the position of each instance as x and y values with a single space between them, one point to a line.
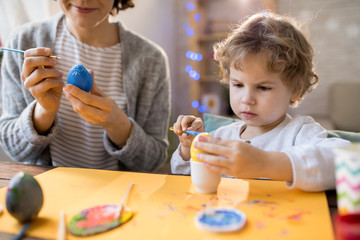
20 51
61 234
121 205
22 232
188 131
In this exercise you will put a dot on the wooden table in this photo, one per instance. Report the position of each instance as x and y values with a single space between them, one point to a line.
9 169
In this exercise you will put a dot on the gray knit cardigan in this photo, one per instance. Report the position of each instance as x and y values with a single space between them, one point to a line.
146 84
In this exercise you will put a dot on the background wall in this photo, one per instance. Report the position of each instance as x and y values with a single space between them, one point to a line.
157 21
334 31
333 28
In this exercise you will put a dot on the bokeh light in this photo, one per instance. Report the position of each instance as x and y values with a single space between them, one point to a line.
186 26
190 6
188 68
197 76
192 73
189 32
195 104
197 17
202 108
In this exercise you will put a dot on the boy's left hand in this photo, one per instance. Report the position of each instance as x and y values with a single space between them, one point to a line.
242 160
230 157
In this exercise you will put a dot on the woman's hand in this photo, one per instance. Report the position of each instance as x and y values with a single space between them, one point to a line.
240 159
45 83
182 124
99 109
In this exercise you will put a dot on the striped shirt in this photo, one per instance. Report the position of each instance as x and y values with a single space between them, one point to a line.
76 137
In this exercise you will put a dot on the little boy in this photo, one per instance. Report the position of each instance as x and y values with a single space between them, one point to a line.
268 65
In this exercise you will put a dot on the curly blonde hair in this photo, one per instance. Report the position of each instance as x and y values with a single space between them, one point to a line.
277 38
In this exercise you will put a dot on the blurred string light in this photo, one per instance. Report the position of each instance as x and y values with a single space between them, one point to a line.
186 26
192 73
197 17
193 56
195 104
190 6
190 32
202 108
188 29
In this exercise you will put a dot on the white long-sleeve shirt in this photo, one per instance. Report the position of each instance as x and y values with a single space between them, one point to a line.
303 140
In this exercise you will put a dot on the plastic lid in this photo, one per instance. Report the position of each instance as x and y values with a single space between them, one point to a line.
220 219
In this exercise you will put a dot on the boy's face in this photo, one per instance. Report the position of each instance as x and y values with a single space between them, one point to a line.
257 96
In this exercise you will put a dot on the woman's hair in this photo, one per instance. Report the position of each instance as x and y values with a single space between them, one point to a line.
277 38
121 5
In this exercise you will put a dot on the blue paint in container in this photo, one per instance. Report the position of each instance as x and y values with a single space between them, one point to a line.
220 219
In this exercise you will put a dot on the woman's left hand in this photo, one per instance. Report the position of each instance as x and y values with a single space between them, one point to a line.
99 109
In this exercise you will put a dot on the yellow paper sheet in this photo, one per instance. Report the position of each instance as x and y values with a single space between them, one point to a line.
165 206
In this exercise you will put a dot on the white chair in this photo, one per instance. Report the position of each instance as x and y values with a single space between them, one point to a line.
344 106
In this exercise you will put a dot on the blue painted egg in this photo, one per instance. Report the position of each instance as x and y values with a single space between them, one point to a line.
80 77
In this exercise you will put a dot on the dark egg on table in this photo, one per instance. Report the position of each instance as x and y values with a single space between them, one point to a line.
24 197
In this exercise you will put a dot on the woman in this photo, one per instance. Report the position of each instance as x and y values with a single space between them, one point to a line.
120 125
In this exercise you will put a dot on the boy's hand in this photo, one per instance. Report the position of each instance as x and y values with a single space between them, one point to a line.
182 124
240 159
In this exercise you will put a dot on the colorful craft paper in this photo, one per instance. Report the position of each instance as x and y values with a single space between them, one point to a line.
164 206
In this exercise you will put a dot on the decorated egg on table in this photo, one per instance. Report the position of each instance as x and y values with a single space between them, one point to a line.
80 77
97 219
193 150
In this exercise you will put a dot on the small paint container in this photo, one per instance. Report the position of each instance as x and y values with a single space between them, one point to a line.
220 220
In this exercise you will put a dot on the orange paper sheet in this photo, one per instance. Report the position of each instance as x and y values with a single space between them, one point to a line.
165 206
